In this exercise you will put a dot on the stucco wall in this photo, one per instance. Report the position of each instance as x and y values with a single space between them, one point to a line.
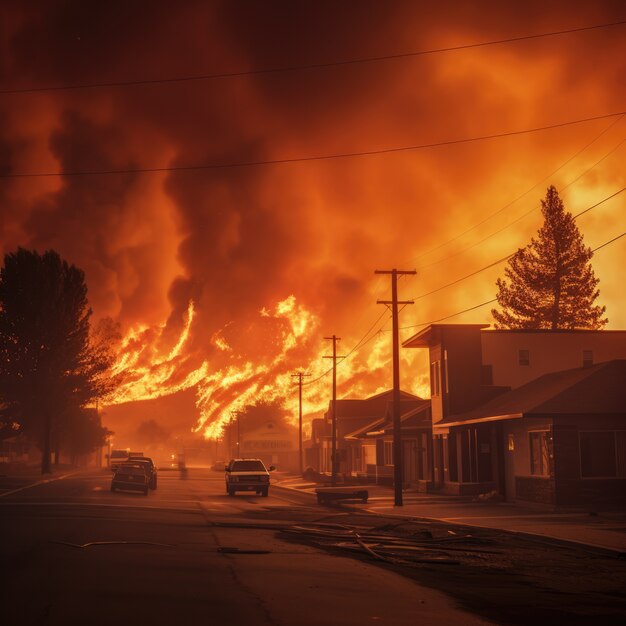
549 352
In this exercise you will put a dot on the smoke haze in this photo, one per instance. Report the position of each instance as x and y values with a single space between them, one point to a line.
226 280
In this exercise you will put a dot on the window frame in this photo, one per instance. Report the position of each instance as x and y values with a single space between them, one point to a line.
388 453
546 434
523 357
435 378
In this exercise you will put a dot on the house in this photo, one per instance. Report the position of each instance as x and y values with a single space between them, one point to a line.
503 400
375 440
351 415
273 441
559 439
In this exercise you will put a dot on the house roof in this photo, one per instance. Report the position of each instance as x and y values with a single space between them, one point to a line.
371 407
423 338
599 389
408 409
417 418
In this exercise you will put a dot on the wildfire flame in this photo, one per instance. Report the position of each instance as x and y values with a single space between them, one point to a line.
223 390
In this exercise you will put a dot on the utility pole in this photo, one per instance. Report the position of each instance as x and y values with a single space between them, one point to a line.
300 376
333 452
237 413
397 433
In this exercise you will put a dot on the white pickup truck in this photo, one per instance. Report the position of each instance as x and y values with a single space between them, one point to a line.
247 475
117 458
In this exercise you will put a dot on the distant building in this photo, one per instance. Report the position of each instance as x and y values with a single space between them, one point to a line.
274 442
354 454
375 441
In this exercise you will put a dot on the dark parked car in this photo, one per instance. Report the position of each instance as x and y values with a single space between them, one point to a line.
152 469
132 476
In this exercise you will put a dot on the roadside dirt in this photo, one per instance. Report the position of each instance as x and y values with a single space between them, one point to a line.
505 578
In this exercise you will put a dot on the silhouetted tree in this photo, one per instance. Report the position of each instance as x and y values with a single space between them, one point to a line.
47 365
151 434
83 432
551 283
263 412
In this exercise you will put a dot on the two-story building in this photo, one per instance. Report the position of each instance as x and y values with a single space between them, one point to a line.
527 413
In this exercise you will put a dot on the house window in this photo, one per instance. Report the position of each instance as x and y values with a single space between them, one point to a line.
602 454
445 372
539 459
587 358
388 453
435 378
524 357
369 455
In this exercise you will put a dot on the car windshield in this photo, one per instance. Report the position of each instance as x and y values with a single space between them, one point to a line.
248 466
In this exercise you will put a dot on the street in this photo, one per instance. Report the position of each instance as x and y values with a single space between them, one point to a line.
75 553
171 570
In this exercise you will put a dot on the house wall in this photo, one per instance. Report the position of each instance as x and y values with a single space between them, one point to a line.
548 351
456 353
571 487
529 488
564 485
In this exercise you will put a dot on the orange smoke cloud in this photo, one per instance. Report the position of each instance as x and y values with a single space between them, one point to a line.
225 281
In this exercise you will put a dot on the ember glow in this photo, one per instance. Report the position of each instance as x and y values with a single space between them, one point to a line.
226 280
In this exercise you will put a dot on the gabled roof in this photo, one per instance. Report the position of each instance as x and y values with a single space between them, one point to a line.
408 408
599 389
371 407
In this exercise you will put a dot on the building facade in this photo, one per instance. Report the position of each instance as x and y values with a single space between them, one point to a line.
519 413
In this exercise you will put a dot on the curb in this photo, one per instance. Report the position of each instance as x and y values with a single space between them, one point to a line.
548 539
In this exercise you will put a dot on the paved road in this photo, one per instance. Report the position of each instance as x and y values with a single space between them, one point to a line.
170 558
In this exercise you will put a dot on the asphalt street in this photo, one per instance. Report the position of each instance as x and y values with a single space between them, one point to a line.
74 553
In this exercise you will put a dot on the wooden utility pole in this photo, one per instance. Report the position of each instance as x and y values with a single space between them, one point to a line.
333 452
397 433
300 376
237 414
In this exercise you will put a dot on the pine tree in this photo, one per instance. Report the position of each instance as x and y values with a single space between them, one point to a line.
551 283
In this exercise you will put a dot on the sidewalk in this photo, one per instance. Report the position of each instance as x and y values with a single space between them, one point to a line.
606 530
29 476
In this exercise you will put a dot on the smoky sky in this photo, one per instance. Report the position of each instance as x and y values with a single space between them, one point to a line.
238 239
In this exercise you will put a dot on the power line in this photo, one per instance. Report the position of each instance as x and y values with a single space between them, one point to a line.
360 343
478 306
447 317
441 319
527 213
506 258
606 243
323 157
305 67
512 202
